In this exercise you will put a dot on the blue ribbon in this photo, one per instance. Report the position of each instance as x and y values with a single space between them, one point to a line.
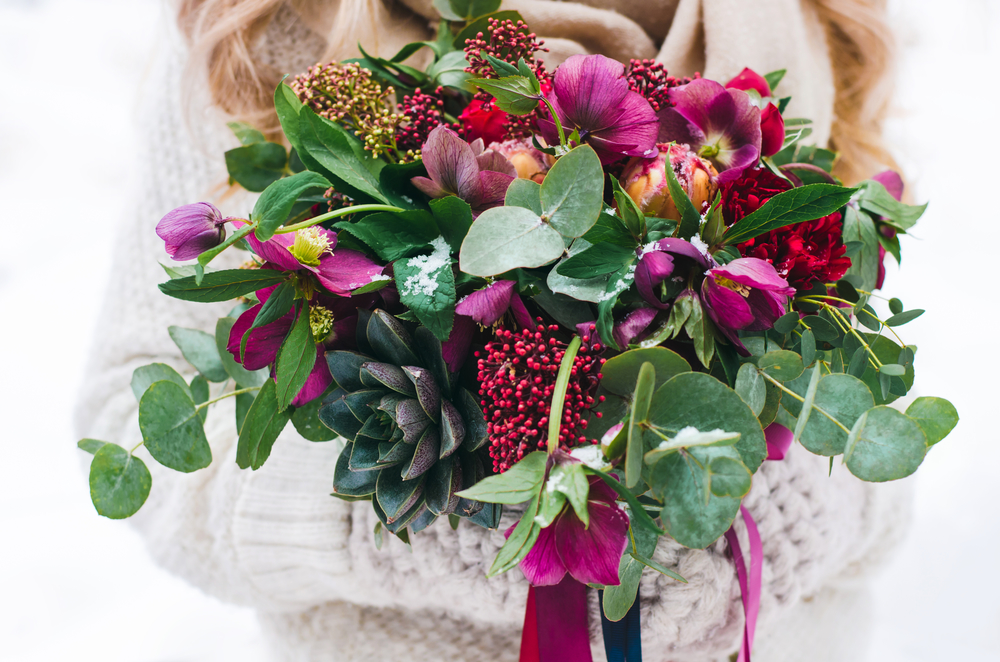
622 639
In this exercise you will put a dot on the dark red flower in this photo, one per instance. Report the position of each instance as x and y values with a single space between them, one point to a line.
804 253
482 119
748 192
772 130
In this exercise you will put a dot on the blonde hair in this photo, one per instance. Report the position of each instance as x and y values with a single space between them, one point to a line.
223 35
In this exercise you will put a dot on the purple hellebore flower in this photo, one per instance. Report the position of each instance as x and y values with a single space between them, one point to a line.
746 294
191 230
633 326
591 94
720 124
484 307
656 264
589 554
477 175
313 249
333 321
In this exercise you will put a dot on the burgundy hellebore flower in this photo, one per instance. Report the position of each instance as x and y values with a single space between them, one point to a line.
656 264
476 175
589 554
591 94
191 230
332 320
772 124
313 249
719 124
485 307
746 294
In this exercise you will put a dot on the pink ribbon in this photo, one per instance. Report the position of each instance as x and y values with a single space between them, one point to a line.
555 624
779 439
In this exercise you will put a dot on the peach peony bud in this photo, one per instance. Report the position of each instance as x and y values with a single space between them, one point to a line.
645 181
528 161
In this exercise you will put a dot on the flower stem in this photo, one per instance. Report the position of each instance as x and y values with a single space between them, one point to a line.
555 118
227 395
559 394
336 213
801 399
136 447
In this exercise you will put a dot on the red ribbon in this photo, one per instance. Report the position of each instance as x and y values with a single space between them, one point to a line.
555 624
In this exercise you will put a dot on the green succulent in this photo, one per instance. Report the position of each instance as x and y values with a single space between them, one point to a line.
414 437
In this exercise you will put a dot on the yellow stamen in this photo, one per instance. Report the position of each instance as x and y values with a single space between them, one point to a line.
320 322
309 246
736 287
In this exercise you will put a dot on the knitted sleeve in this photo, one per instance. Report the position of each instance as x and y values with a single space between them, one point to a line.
277 540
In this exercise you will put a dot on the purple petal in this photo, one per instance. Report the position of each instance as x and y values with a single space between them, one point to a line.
592 554
263 343
766 307
495 162
645 283
521 314
275 250
743 126
683 248
344 271
487 306
754 273
429 187
542 566
635 126
674 127
317 382
451 163
727 308
493 189
736 162
779 440
704 103
456 348
590 89
892 182
191 230
633 326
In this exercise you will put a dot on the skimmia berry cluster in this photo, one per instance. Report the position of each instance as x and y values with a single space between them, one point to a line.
425 112
507 41
650 79
517 376
349 95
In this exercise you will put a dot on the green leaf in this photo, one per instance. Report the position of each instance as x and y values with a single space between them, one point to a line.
524 193
750 387
288 106
454 218
221 285
774 78
644 387
886 351
119 482
264 422
689 438
610 229
807 403
559 392
630 212
781 364
843 397
449 70
394 235
243 377
276 307
728 477
572 193
597 260
936 417
860 228
805 203
91 445
200 351
256 166
276 202
515 95
663 570
682 481
212 253
902 318
426 286
171 430
516 485
699 329
787 322
199 394
446 10
246 134
884 445
690 217
329 148
144 376
617 600
877 200
621 372
590 289
506 238
307 423
295 361
808 347
520 542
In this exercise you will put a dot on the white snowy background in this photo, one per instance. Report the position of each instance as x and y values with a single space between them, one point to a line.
77 586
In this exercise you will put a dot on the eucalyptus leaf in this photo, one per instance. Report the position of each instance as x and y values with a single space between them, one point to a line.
843 397
524 193
750 387
621 372
200 351
644 387
936 417
119 482
572 193
506 238
782 364
144 376
859 227
171 430
884 445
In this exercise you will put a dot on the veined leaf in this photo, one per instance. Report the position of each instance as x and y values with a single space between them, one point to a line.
805 203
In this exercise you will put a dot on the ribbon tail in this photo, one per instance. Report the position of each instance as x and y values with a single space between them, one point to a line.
561 623
529 636
633 649
750 582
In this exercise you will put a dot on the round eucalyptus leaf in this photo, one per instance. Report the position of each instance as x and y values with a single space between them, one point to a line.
524 193
119 482
750 386
884 445
887 351
171 429
506 238
729 478
935 416
782 364
692 515
700 401
572 193
844 397
144 376
619 373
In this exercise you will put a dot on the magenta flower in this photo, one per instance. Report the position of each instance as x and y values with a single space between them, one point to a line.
591 94
633 326
191 230
746 294
333 321
484 307
477 175
656 264
589 554
748 79
314 249
719 124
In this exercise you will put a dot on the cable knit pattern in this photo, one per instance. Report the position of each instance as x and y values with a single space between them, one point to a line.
276 540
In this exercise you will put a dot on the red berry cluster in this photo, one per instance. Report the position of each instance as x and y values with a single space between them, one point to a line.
649 78
517 377
425 112
507 41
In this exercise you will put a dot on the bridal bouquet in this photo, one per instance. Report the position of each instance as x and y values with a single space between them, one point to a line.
600 296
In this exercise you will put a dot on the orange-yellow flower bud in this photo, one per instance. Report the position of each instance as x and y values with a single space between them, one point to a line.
528 161
645 181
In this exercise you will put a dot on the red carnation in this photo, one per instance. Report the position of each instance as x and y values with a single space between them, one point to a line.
804 253
482 119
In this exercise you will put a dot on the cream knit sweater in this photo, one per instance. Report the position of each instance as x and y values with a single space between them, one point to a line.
276 540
